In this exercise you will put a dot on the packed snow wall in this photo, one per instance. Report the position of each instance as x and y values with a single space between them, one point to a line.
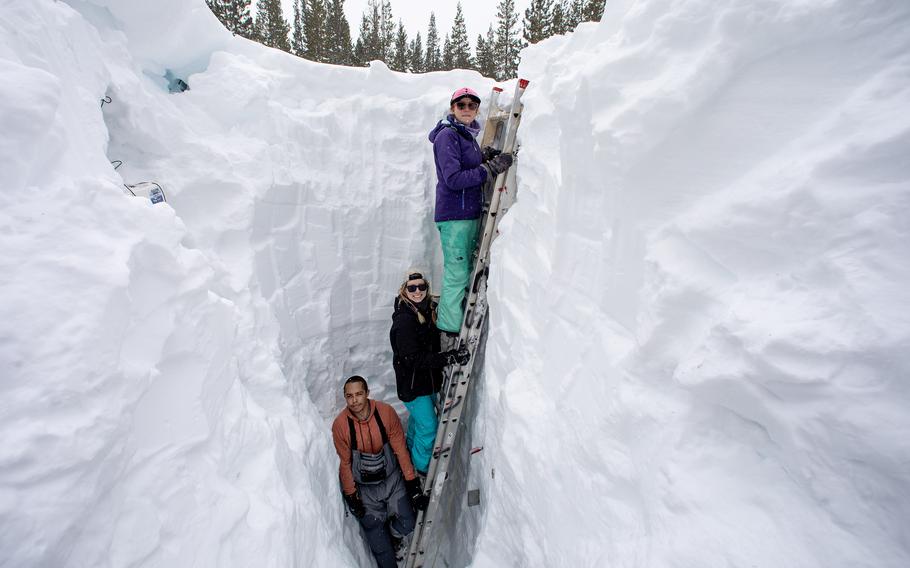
169 371
698 352
699 309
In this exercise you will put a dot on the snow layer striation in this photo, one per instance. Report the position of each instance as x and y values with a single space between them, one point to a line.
701 320
169 372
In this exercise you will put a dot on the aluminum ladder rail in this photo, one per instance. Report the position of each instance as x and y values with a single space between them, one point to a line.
458 379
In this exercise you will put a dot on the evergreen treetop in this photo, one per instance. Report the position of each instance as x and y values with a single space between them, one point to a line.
486 60
401 56
298 34
386 31
234 15
433 59
538 21
559 22
447 54
594 10
271 28
338 34
575 14
417 58
460 46
508 43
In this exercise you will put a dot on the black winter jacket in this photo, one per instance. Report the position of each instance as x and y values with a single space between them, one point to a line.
415 348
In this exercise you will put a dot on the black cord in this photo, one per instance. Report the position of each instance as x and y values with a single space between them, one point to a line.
106 99
118 162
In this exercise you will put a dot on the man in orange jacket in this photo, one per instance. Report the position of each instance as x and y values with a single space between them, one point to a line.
378 480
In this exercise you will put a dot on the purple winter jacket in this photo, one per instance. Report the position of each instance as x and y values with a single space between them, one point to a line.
459 189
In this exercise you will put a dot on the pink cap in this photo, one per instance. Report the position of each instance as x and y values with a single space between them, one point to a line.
464 92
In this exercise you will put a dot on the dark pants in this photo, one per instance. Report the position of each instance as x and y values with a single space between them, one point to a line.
377 531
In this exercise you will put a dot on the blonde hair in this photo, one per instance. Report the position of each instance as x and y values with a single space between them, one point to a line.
403 293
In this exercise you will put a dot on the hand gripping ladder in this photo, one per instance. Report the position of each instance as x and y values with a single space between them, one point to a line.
424 549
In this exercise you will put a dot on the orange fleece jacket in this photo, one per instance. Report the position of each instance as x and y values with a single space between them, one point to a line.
369 440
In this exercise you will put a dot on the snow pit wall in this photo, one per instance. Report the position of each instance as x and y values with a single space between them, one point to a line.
698 346
170 371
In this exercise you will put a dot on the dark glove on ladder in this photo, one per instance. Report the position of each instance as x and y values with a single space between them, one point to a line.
498 165
459 356
415 494
489 153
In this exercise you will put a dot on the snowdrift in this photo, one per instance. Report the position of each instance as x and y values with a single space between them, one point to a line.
699 304
169 372
698 352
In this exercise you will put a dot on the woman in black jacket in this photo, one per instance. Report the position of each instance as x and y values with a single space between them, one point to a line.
418 363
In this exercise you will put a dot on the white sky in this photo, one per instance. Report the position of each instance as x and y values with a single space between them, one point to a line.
478 15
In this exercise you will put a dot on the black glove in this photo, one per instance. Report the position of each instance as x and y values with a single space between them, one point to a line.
489 153
355 504
460 356
415 494
498 164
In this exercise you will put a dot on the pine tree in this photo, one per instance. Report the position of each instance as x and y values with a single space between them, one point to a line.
432 61
480 49
400 57
537 22
371 32
447 54
508 44
386 32
338 35
486 59
271 27
575 14
235 15
460 45
594 10
358 57
316 32
416 63
298 38
219 9
361 57
559 19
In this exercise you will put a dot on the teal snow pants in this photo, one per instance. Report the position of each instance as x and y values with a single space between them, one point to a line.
458 241
421 430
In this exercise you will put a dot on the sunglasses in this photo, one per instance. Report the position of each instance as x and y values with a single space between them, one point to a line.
470 105
415 287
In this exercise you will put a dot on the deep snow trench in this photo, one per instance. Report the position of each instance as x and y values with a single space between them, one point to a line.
699 305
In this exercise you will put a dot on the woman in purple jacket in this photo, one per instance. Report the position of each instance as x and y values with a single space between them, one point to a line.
461 171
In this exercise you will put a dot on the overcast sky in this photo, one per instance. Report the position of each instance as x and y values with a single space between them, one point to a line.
478 15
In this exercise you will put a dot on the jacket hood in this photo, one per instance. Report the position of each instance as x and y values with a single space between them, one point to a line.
473 129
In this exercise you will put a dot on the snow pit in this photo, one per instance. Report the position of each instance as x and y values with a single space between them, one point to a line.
699 303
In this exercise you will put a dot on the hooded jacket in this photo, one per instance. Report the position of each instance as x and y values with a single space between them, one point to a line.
459 175
369 439
415 349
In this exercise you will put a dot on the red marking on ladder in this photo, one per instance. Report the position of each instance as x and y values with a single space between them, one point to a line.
523 83
475 450
497 89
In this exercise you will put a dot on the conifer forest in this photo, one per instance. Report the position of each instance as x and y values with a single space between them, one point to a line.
319 31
